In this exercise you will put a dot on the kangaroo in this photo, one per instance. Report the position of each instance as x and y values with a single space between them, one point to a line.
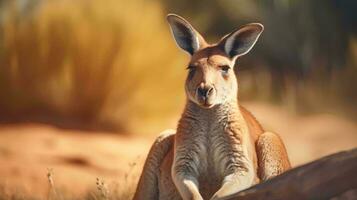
219 148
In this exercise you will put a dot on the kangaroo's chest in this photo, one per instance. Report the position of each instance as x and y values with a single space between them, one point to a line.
220 151
210 175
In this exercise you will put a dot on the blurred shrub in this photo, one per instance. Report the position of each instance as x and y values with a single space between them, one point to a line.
106 64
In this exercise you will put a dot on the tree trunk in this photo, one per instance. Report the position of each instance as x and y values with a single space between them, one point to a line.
325 178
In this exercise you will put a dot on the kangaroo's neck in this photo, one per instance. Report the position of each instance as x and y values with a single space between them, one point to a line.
222 113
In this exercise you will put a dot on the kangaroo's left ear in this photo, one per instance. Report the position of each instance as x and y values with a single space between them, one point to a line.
241 41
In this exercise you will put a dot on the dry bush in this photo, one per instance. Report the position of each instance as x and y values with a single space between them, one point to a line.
105 63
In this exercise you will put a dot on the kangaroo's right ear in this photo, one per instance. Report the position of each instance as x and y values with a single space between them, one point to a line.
186 37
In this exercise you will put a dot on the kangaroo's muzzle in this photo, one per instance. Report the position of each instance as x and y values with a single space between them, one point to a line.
205 95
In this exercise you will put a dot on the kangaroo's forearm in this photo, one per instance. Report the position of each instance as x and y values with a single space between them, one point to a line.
187 185
185 170
234 183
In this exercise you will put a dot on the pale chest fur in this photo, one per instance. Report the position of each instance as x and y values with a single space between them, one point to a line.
214 140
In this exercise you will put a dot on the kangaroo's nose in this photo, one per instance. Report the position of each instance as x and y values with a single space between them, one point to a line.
205 91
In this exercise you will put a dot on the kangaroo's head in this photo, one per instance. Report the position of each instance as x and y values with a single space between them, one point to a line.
211 79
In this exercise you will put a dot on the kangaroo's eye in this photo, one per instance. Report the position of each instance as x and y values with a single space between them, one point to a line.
191 71
225 69
191 68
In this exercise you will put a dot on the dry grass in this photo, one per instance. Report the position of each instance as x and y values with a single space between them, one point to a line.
96 62
122 190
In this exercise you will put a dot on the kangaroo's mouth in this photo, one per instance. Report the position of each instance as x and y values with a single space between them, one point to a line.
205 103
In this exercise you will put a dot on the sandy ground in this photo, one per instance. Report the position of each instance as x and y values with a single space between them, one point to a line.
77 158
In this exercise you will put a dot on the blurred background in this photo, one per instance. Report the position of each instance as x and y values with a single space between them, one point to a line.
107 76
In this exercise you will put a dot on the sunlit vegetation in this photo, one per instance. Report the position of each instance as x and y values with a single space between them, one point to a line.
94 63
113 64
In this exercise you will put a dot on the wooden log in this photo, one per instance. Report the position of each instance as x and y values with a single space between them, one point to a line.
324 178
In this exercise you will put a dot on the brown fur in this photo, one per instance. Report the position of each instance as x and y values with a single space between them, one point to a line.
219 148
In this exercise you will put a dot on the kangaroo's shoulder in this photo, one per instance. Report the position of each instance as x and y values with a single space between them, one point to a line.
161 146
164 141
255 128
